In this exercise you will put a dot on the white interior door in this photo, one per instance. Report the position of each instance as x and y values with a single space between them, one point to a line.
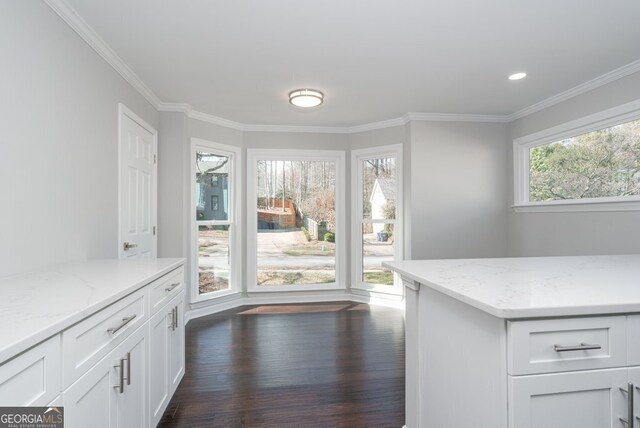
137 151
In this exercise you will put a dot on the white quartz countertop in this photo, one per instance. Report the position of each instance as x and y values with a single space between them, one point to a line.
529 287
36 306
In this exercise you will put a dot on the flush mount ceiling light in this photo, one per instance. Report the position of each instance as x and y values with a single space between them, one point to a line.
517 76
306 98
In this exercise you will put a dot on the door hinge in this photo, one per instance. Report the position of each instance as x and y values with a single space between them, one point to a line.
154 230
155 158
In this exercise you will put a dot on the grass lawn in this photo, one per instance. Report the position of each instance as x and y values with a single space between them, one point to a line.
284 277
312 248
384 277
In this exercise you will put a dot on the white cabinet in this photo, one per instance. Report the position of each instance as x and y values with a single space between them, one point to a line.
87 342
32 378
167 348
116 367
176 344
466 367
585 399
112 393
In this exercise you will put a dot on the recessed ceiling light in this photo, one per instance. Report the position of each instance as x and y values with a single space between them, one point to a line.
306 97
517 76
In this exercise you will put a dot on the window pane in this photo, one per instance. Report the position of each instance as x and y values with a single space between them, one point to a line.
377 247
296 222
379 188
598 164
212 186
213 258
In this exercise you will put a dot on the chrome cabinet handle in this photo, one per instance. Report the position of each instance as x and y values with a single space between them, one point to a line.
125 321
172 326
171 287
175 317
580 347
629 420
121 367
127 246
128 368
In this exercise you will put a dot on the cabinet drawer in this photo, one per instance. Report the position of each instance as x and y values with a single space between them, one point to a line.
87 342
165 288
33 377
547 346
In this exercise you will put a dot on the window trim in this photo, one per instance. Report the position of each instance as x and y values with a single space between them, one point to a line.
234 221
337 156
607 118
357 156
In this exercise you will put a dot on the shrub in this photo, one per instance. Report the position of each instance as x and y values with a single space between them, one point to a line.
306 233
330 237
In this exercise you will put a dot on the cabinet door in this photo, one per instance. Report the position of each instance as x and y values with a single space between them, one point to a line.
159 394
634 378
585 399
33 377
176 345
132 409
91 400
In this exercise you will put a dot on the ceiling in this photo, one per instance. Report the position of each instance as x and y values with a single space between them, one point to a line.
373 59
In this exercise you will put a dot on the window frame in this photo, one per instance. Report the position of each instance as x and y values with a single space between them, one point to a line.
337 156
357 208
521 163
234 219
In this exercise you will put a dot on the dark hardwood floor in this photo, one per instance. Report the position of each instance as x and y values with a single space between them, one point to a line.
318 365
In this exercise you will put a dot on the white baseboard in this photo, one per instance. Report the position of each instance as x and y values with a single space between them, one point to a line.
201 309
377 298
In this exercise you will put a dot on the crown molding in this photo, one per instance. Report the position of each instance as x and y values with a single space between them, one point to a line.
297 128
602 80
209 118
176 108
80 26
444 117
390 123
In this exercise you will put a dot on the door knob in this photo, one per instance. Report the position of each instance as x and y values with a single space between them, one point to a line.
127 246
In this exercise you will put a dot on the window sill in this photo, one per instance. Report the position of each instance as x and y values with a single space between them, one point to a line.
578 206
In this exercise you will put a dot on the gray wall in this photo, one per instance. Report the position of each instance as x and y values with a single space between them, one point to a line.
573 233
58 142
459 190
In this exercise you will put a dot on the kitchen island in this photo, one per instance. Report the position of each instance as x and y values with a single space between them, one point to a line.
522 342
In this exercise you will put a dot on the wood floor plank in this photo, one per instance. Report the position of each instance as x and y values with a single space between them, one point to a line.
339 364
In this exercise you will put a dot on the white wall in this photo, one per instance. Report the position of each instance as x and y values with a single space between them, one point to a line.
540 234
58 142
459 190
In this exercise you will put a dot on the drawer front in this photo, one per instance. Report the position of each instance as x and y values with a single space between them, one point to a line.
556 345
87 342
33 377
165 288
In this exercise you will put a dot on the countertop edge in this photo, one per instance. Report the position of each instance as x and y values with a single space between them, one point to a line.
516 313
14 349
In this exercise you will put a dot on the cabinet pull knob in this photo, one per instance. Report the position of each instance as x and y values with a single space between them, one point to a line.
121 367
580 347
171 287
125 321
